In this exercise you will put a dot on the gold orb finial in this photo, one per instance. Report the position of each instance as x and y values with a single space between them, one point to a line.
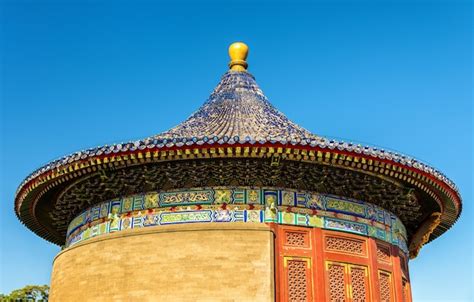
238 52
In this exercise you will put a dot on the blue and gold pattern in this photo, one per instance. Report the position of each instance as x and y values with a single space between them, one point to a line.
242 204
186 197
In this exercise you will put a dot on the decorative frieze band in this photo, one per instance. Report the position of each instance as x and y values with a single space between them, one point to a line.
238 204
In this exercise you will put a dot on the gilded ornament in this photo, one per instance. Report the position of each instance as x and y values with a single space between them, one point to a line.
253 196
127 204
223 196
151 200
288 218
238 52
288 198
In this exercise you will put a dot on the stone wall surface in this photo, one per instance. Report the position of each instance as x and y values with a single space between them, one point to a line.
201 262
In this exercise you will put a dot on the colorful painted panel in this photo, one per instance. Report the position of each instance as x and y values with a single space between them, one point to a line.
230 204
186 197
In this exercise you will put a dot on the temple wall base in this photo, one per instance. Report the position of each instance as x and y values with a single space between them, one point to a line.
184 262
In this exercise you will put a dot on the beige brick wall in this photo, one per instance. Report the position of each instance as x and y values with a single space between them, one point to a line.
187 262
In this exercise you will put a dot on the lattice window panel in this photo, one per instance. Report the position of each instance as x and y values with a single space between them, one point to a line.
299 283
297 289
296 239
406 290
385 281
336 281
383 253
347 282
346 245
358 284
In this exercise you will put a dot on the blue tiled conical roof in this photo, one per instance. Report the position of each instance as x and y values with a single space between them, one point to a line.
237 110
239 117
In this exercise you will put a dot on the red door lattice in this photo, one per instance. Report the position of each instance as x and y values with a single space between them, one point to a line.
321 265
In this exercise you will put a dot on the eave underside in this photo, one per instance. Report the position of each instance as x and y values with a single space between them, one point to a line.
59 205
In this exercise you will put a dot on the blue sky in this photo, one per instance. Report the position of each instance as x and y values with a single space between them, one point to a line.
396 74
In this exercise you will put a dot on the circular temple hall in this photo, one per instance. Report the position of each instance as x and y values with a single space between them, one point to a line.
236 203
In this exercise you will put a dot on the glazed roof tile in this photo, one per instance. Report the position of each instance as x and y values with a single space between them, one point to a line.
237 110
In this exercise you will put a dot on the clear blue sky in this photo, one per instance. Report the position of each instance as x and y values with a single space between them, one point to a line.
396 74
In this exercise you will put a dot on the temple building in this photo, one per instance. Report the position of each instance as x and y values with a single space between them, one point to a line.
236 203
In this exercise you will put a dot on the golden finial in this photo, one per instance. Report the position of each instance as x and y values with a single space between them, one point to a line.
238 52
